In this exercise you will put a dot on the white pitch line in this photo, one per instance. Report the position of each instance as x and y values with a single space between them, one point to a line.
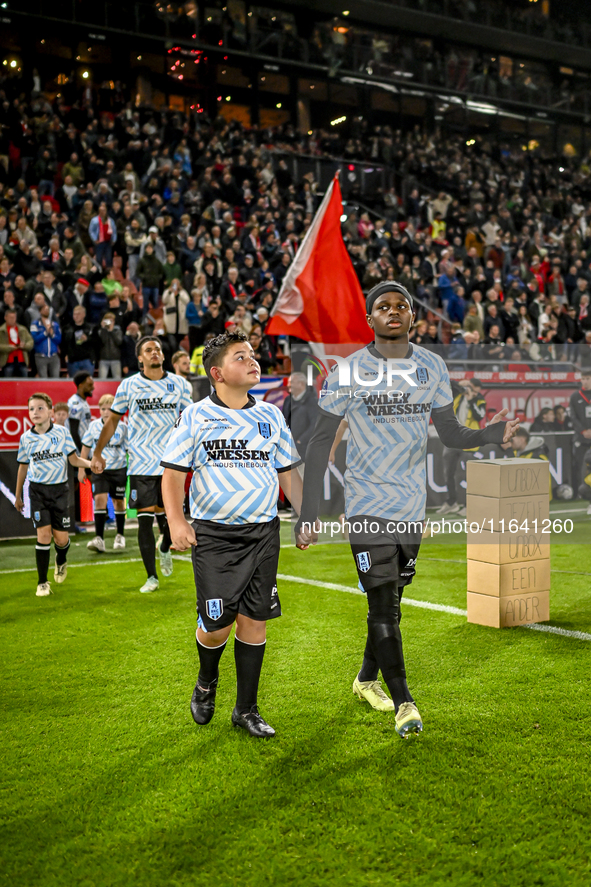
332 586
427 605
102 563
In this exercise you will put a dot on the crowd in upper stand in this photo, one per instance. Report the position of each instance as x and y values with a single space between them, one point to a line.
114 224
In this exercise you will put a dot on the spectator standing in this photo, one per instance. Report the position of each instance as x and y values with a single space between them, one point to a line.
103 233
129 362
300 409
78 344
15 344
171 269
110 338
47 336
157 244
78 295
151 274
174 301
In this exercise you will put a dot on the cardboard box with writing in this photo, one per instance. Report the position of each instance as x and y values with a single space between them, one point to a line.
508 478
507 548
502 580
508 611
495 514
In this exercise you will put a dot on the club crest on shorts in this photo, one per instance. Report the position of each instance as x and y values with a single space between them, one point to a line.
37 516
265 430
422 374
133 495
215 608
363 561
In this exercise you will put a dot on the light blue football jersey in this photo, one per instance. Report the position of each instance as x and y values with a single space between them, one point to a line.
46 454
115 453
388 406
154 407
235 456
79 410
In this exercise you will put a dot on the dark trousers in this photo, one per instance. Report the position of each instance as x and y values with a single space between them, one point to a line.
15 370
451 460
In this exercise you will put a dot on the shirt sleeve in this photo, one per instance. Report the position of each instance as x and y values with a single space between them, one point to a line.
69 445
75 409
286 454
334 400
186 396
121 403
181 445
22 455
443 396
87 438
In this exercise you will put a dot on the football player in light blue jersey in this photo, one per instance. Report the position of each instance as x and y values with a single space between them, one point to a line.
43 453
112 481
154 399
387 393
80 417
241 451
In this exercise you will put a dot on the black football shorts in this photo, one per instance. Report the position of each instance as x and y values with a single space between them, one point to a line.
145 490
112 482
235 570
384 551
50 505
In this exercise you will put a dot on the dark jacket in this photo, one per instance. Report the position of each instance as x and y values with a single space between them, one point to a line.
109 343
150 271
301 417
72 345
129 364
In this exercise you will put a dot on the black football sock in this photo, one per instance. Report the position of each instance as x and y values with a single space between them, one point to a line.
61 554
369 667
163 527
100 518
386 640
249 661
209 660
146 542
42 558
120 519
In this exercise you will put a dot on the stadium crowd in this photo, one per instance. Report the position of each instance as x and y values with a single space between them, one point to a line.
137 220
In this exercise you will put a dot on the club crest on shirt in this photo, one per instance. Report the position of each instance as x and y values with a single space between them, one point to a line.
215 608
422 374
363 561
54 441
265 430
170 386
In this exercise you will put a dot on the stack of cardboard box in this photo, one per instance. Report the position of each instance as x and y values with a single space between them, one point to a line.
509 552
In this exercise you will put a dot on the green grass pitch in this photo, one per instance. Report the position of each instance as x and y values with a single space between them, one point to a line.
105 779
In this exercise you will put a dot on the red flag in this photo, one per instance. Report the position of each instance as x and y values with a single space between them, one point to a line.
320 299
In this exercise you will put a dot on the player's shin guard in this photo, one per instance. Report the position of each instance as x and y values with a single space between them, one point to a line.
163 527
369 668
42 558
209 660
146 541
120 519
100 518
61 554
249 661
386 640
